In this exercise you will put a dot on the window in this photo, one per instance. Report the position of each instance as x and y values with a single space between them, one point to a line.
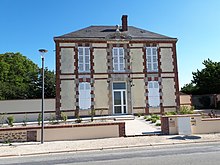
152 59
118 59
84 95
153 94
84 59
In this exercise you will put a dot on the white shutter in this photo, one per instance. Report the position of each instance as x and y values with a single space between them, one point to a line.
152 59
118 59
84 59
153 94
84 95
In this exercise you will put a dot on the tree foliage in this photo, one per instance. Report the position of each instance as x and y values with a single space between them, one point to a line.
20 78
206 81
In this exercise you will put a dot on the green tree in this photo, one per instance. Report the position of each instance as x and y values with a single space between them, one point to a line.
49 84
206 81
20 78
189 88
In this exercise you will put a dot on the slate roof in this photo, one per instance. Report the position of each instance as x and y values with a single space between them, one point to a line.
100 32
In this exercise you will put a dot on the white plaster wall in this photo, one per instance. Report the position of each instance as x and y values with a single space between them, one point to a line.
168 92
67 60
100 60
166 60
137 93
67 95
101 94
137 60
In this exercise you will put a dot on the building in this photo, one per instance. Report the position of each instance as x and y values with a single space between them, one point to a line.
116 70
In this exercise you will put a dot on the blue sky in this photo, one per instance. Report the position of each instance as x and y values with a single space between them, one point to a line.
27 25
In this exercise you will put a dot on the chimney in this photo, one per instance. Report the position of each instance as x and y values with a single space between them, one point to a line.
124 23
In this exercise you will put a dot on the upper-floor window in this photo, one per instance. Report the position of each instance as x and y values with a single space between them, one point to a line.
118 59
153 94
84 95
84 59
152 59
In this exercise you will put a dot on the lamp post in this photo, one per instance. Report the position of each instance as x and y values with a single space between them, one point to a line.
42 52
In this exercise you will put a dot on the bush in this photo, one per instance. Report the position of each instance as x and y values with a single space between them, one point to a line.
10 120
155 116
170 113
186 110
64 117
158 124
39 118
153 120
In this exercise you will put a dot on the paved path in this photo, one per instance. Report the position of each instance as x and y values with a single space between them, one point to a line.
139 126
35 148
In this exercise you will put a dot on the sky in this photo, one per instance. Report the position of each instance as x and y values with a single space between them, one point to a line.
28 25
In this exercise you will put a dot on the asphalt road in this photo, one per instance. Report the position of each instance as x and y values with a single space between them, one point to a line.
193 154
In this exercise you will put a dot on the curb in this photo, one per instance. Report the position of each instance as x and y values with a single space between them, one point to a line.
110 148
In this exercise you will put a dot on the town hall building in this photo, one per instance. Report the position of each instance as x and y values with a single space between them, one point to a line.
116 70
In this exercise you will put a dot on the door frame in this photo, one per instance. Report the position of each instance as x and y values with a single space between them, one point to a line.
122 99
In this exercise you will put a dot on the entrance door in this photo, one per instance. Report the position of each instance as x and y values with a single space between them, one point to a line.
119 98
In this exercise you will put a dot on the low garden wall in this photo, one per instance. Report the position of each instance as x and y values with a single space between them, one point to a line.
63 132
198 125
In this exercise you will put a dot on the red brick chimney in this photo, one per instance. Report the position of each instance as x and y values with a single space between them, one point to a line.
124 23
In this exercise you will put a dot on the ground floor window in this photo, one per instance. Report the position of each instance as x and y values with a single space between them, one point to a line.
84 95
153 94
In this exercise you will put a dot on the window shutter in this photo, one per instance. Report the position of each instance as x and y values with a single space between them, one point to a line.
84 95
118 59
152 59
83 59
153 94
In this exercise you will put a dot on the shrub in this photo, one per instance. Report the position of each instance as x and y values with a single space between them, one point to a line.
64 117
10 120
39 118
158 124
186 110
170 113
155 116
153 120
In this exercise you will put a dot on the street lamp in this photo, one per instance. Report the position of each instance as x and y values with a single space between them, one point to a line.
42 52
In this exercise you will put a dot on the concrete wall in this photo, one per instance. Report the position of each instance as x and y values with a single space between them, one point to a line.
185 100
63 132
76 133
198 124
27 108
